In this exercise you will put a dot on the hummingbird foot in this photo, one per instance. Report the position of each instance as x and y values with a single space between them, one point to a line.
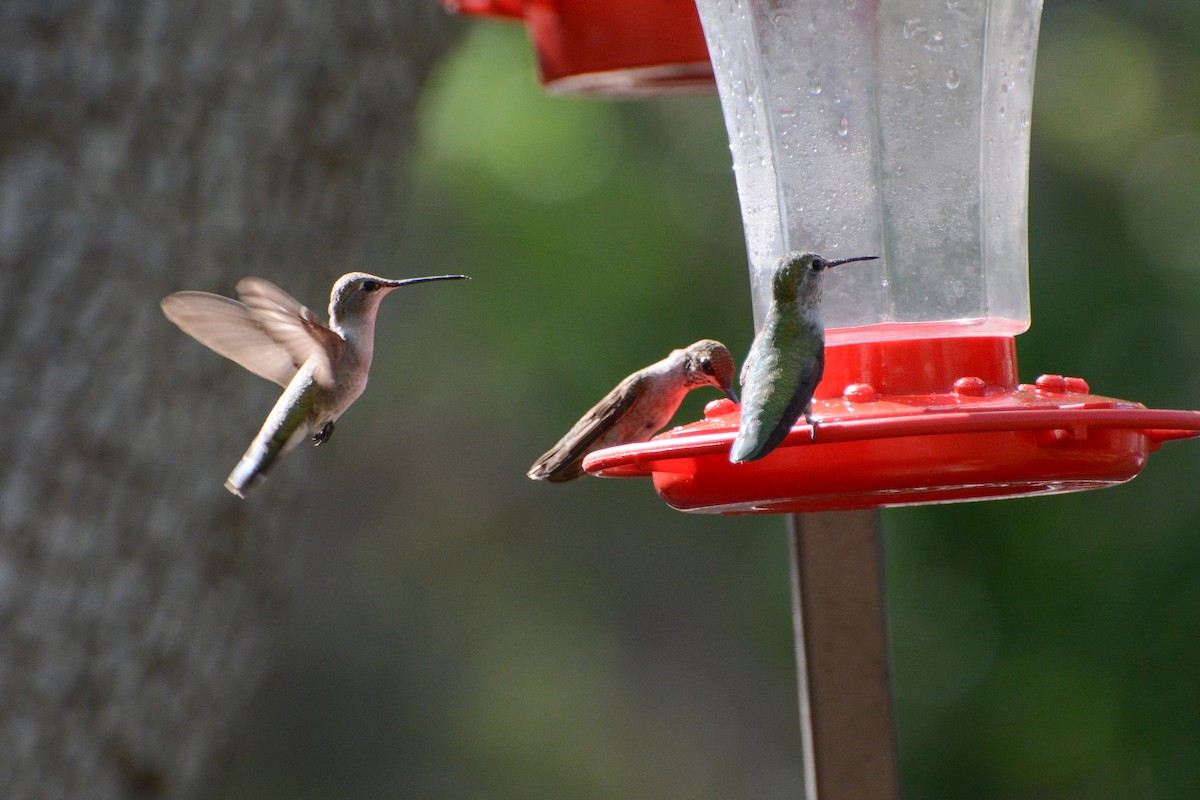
812 426
322 436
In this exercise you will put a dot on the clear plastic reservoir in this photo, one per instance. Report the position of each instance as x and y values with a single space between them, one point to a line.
897 128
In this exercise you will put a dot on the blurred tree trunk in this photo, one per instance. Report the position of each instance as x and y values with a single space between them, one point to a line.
147 147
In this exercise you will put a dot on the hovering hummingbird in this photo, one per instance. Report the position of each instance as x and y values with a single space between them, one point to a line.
639 407
323 368
787 357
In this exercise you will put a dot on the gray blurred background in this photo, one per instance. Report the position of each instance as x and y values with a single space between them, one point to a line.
464 632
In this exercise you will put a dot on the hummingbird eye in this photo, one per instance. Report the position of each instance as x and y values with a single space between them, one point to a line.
370 286
706 366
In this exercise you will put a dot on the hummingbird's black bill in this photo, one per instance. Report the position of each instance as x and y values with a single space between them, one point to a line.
732 395
841 261
408 281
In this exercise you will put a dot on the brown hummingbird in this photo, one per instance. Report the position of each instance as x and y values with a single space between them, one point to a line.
639 407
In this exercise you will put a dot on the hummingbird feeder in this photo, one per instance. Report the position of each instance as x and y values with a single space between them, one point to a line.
861 127
611 47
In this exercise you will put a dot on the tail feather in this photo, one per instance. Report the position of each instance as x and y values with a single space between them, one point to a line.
262 453
286 426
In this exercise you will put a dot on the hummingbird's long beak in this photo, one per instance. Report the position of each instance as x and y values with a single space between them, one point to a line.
731 394
841 261
406 281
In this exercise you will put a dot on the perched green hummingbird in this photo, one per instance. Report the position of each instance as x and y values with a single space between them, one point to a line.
787 357
639 407
323 368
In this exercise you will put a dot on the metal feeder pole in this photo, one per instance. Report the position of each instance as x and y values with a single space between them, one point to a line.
847 719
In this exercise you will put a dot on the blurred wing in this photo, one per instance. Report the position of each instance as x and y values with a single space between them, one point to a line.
233 330
564 461
295 328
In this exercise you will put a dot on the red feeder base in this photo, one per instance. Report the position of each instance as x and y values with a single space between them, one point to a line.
613 47
906 423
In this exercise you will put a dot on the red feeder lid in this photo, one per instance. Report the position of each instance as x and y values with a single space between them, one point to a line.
905 423
619 47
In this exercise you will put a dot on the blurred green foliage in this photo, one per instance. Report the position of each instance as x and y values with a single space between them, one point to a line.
462 632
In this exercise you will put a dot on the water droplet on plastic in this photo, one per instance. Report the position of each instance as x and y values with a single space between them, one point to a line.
787 112
843 127
952 79
912 27
910 81
1004 87
937 42
1024 118
814 86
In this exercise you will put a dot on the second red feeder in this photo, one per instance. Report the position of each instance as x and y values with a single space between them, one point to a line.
611 47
